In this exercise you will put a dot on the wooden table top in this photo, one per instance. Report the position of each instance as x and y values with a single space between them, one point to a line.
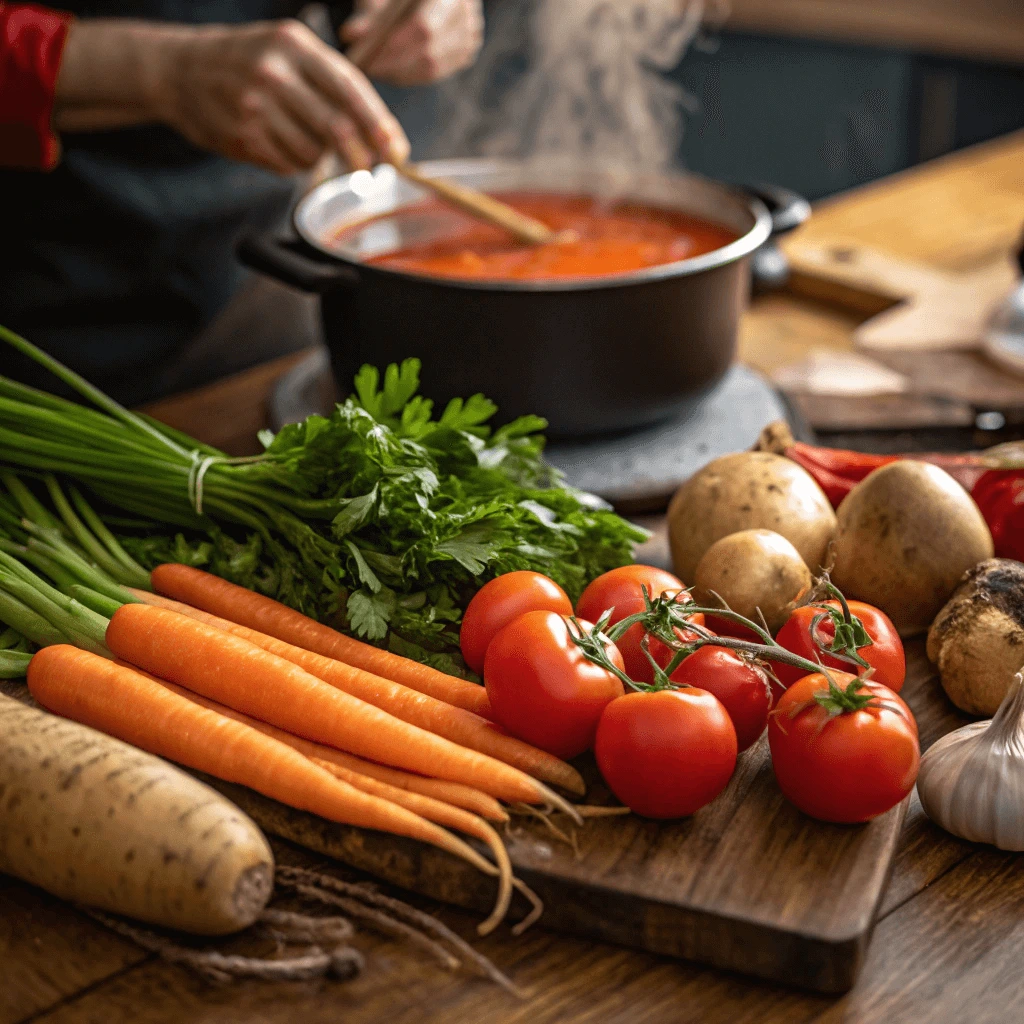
950 935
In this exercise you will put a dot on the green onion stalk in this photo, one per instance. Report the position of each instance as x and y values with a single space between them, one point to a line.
381 517
62 574
148 469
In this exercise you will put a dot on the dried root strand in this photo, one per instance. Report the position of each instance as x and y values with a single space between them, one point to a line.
298 928
419 921
529 811
381 922
342 962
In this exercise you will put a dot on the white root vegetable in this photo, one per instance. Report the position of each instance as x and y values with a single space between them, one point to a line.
91 819
977 640
749 491
756 572
907 533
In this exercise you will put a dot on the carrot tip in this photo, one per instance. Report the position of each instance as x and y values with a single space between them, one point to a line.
533 916
558 803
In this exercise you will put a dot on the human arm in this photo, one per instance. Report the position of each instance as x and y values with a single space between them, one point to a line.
269 93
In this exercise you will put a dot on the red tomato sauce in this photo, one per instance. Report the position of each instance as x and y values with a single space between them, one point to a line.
610 239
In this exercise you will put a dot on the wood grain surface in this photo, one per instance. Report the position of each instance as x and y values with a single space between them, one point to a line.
962 214
68 969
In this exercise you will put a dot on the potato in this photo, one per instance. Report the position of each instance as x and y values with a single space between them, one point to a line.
746 491
977 640
751 570
907 533
91 819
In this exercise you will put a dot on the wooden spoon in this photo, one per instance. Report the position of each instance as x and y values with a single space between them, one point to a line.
477 204
486 208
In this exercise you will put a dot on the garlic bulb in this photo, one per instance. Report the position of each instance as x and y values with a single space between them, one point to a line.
971 782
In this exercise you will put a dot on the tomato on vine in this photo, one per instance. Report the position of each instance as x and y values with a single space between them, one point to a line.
811 632
621 591
666 753
739 682
843 749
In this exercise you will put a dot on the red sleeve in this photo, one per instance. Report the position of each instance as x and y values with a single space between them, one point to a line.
31 45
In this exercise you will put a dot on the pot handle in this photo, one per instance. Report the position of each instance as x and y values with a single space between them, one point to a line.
292 262
788 209
769 266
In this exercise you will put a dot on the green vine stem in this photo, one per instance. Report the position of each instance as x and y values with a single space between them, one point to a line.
664 615
850 634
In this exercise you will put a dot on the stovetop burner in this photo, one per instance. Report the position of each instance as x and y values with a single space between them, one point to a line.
636 471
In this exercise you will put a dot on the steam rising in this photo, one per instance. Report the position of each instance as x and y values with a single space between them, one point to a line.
594 88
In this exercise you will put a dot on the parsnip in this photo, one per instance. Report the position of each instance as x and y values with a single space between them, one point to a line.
91 819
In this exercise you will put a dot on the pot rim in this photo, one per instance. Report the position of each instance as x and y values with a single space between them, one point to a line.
742 246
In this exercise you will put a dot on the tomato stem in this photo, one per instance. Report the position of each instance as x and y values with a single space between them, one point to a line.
849 632
661 618
591 643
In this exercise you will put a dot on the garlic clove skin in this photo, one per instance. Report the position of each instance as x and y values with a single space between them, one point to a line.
971 782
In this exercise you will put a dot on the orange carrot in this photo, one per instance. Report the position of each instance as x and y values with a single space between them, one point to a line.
241 675
426 807
436 789
453 793
134 707
450 793
455 724
229 601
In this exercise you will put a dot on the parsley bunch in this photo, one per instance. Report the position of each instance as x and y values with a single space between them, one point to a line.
427 511
378 518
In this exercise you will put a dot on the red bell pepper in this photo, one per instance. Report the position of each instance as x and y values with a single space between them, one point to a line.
1000 496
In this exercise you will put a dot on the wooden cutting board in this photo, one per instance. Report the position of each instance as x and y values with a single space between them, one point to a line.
923 323
748 883
910 307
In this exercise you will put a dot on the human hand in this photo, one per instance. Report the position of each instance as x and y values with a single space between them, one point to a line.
272 94
440 38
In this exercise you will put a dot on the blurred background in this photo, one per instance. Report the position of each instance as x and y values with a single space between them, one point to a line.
814 95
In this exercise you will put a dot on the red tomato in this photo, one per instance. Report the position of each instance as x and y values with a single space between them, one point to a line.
666 753
739 684
845 767
620 590
885 655
543 688
497 603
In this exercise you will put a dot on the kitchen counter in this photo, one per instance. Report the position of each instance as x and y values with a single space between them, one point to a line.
950 935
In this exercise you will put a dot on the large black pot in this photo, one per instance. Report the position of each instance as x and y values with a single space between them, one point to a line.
592 356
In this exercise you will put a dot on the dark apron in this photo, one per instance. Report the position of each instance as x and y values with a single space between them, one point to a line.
120 257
